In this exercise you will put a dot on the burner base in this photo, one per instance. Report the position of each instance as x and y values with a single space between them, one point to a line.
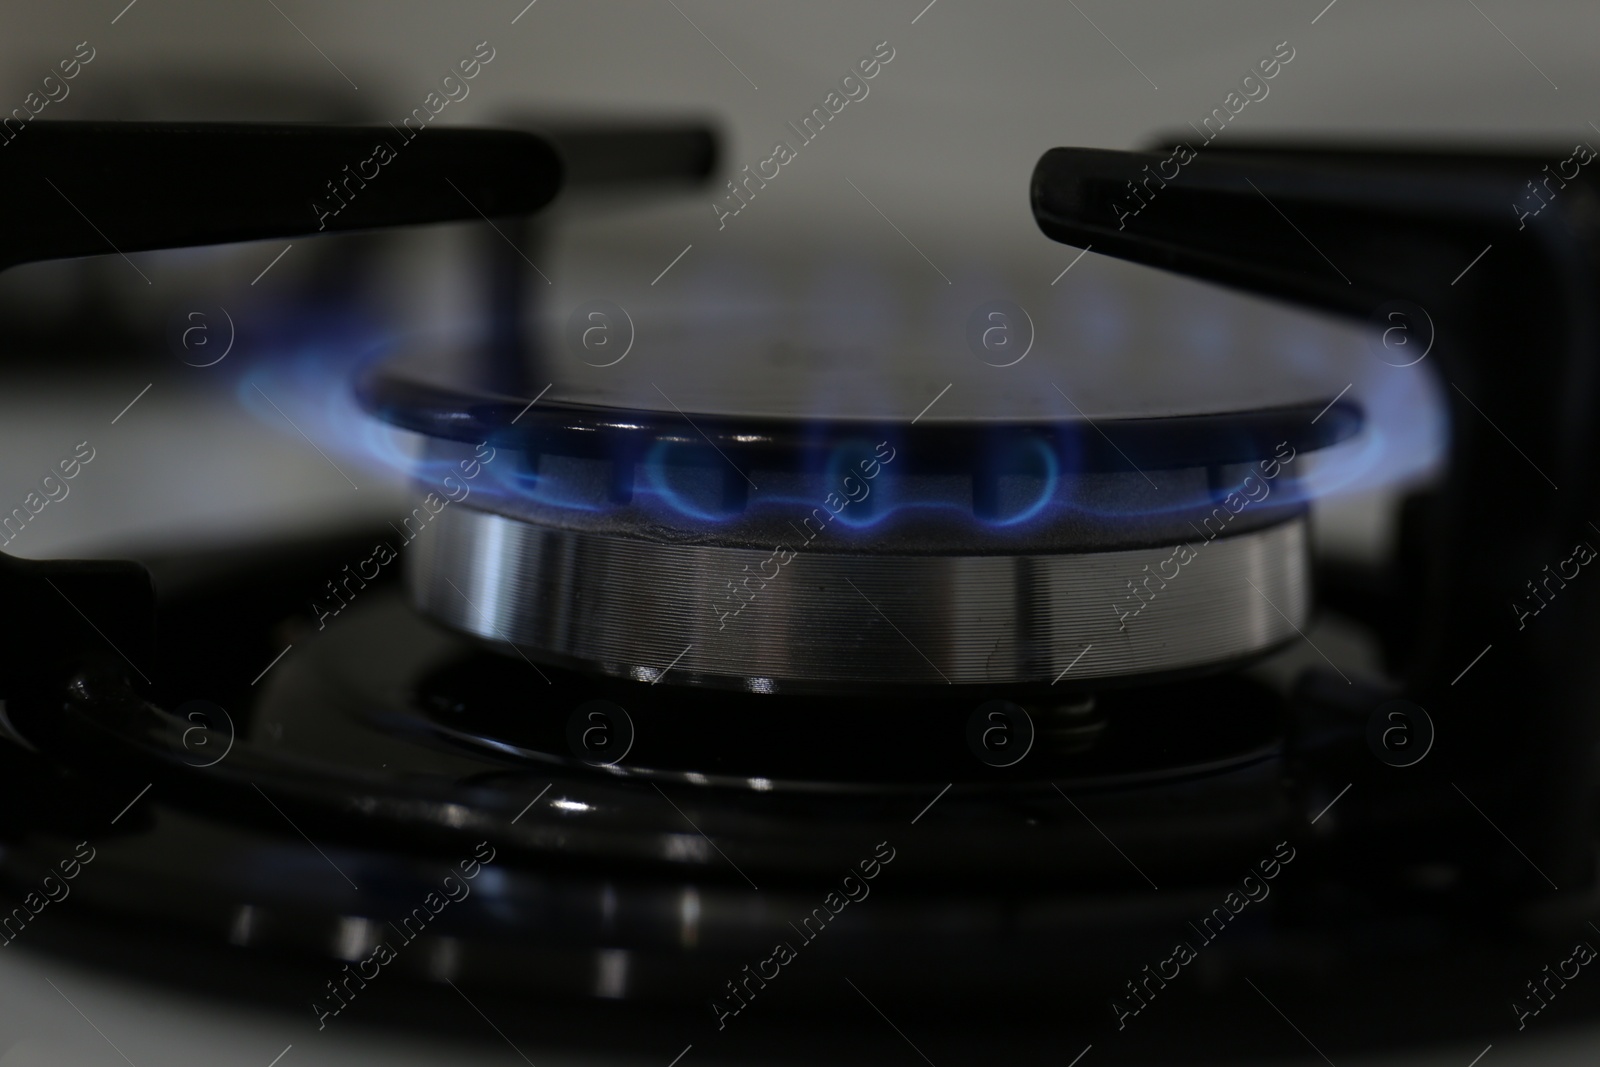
734 617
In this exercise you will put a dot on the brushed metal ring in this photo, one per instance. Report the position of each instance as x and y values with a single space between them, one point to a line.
648 610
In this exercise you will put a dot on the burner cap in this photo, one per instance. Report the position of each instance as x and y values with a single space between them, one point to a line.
423 400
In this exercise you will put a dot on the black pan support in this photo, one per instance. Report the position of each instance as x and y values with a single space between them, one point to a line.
93 188
1367 233
98 188
601 163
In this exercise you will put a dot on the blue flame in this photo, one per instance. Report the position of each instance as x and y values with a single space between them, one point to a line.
298 380
520 483
659 471
301 380
1047 490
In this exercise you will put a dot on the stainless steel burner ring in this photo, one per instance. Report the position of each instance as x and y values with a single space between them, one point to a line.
745 618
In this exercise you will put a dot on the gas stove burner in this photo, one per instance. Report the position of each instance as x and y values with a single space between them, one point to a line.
579 545
782 553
